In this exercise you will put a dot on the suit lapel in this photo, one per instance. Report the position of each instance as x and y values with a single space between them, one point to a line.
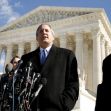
48 63
36 60
44 70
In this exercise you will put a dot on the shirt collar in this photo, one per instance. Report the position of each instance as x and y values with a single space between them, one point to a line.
47 49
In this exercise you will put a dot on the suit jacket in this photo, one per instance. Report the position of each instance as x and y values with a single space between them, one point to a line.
104 89
62 88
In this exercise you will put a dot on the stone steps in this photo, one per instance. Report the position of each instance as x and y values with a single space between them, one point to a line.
86 102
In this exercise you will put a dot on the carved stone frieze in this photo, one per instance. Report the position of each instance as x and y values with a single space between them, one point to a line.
45 14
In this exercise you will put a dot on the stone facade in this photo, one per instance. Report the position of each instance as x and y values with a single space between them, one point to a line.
86 31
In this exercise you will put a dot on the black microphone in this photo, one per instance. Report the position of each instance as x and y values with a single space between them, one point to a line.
8 68
18 66
43 83
28 70
36 78
29 66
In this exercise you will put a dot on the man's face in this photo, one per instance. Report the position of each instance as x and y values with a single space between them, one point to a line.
15 62
45 36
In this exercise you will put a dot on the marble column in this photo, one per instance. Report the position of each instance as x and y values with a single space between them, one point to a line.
79 56
86 75
102 48
8 53
34 45
63 41
97 63
107 48
20 49
79 52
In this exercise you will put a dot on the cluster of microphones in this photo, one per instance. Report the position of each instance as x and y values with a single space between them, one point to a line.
31 78
9 69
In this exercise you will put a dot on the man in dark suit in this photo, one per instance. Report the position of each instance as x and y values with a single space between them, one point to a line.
59 68
104 89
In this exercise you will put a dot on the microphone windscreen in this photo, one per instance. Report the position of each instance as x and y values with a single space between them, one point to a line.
8 68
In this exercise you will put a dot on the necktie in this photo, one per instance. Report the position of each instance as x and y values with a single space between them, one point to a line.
43 56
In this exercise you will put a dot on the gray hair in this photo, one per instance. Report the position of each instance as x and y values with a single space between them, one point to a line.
41 26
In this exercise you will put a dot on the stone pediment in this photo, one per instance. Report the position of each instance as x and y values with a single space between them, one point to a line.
47 14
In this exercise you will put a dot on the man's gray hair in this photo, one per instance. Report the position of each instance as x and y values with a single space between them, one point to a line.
41 26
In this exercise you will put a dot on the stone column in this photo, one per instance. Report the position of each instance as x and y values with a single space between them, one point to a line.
107 48
97 64
79 56
8 53
20 49
33 45
63 41
86 65
102 48
110 49
79 52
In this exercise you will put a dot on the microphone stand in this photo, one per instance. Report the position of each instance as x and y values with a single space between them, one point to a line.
2 98
13 83
13 93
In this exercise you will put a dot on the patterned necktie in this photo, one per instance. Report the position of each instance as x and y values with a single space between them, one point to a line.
43 56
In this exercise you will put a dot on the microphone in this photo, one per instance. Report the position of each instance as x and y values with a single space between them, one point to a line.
36 78
8 68
18 66
29 68
43 82
14 79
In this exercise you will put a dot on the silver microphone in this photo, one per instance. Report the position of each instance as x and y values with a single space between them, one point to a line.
18 66
43 83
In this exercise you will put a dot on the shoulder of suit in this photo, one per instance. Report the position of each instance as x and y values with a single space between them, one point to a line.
64 50
29 54
107 57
